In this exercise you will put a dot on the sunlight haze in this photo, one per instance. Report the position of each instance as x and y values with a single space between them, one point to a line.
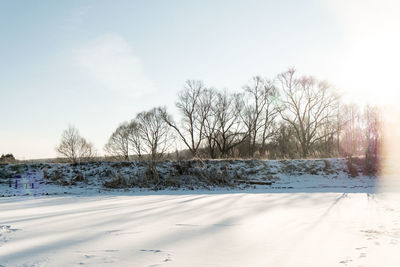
94 64
199 133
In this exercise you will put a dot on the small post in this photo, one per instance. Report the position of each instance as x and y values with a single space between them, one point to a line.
16 184
32 185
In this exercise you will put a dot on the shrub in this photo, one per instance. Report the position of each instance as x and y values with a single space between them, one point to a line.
118 182
351 169
151 174
79 177
55 175
7 158
4 174
327 165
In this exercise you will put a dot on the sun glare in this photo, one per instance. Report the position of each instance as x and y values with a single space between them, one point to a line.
367 72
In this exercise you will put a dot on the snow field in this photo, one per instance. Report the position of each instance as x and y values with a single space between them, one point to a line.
218 229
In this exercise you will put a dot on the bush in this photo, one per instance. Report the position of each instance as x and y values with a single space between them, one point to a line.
351 169
328 167
5 175
182 167
55 176
371 164
8 158
118 182
327 164
79 177
152 175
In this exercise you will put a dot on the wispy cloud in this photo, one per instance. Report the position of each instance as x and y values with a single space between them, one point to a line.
110 60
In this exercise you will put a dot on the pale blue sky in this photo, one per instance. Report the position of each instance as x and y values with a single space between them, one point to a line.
95 64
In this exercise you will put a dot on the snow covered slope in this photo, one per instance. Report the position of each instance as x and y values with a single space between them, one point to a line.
329 175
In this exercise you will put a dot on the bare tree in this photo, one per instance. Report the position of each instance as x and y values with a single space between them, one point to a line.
194 114
284 143
372 121
259 112
270 113
252 111
208 99
154 132
119 143
307 105
230 130
352 133
74 147
135 140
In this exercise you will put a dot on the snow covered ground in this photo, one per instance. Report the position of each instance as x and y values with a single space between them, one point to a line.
258 213
329 175
214 229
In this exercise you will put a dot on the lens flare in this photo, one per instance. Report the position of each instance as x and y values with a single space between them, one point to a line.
390 155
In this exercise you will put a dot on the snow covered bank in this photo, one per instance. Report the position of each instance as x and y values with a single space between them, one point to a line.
270 175
242 229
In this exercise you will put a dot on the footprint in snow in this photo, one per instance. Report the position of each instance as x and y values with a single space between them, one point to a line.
168 255
224 224
36 263
113 231
89 256
7 228
6 232
345 262
120 232
151 250
363 255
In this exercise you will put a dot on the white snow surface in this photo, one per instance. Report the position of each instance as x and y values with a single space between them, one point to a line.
307 216
214 229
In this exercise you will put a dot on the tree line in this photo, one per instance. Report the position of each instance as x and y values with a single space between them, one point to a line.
291 116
